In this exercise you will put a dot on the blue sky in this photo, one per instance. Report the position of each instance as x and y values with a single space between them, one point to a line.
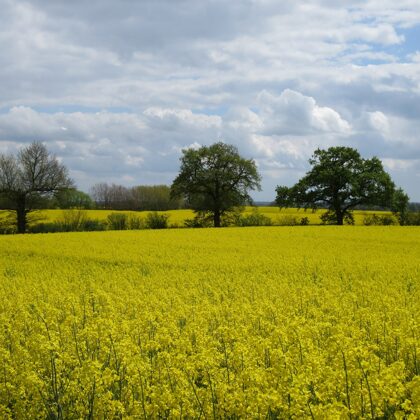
117 89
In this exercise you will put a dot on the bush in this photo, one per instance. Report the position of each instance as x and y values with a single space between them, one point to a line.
71 221
88 225
330 218
253 219
7 230
154 220
196 223
52 227
135 222
93 225
375 220
7 222
413 219
304 221
117 221
287 221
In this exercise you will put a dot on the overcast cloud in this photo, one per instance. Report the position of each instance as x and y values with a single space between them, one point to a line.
117 89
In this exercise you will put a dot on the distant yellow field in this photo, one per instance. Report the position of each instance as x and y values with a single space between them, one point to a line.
177 217
296 323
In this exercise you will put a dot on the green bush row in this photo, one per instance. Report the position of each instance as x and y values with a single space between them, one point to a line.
78 221
241 220
375 220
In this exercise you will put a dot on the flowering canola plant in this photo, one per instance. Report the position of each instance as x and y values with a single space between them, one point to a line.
272 322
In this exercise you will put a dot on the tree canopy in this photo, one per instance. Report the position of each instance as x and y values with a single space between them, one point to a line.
72 198
139 197
215 179
400 206
28 177
340 179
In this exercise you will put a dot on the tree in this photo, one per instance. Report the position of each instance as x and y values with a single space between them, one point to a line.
215 179
73 198
27 178
399 207
153 197
115 197
340 179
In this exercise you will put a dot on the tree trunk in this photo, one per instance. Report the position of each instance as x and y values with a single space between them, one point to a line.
340 217
216 218
21 213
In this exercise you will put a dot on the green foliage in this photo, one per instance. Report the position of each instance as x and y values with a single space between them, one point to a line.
72 198
154 220
304 221
117 221
340 179
400 201
287 220
214 179
330 218
201 220
413 218
376 220
254 219
49 227
93 225
7 222
153 197
138 198
135 222
72 220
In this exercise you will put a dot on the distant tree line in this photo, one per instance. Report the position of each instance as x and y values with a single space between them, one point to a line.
105 196
138 198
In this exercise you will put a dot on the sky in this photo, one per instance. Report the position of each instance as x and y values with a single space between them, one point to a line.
117 89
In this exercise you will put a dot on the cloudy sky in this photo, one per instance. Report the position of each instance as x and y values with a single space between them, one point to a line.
116 89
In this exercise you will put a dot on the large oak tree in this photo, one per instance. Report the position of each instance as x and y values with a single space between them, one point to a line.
340 179
214 179
28 177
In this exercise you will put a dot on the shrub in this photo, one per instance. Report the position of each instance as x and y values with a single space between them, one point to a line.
88 225
375 220
117 221
72 220
7 230
287 221
135 222
91 225
413 219
154 220
253 219
201 220
304 221
7 222
330 218
388 220
51 227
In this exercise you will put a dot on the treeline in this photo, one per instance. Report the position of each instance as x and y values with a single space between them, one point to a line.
138 198
108 197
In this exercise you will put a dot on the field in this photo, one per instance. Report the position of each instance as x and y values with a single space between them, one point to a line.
278 216
177 217
274 322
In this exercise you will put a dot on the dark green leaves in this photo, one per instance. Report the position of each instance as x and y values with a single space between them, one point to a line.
215 179
340 180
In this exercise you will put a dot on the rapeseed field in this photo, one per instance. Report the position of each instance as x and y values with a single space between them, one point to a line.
270 322
176 218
